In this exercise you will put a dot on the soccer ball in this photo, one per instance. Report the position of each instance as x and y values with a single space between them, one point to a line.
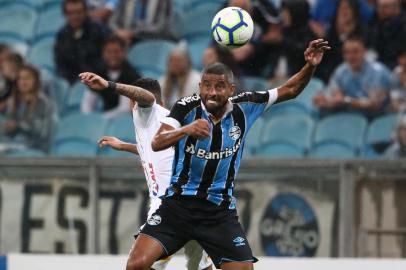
232 27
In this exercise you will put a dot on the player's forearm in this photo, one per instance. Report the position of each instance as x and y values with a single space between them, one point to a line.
295 85
165 139
143 97
128 147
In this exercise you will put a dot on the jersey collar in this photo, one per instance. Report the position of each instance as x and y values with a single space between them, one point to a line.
229 108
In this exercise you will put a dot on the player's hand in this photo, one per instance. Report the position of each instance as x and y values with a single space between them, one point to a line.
314 53
199 129
110 141
94 81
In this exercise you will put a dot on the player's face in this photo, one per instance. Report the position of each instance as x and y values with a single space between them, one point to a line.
75 14
215 91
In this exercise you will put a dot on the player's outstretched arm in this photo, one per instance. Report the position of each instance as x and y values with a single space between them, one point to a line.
117 144
295 85
143 97
168 136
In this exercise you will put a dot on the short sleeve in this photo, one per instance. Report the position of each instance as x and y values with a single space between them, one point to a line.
143 114
179 111
255 103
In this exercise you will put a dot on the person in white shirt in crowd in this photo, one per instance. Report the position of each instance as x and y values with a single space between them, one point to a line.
181 79
117 69
148 112
101 10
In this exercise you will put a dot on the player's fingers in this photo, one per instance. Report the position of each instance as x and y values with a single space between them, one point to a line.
321 44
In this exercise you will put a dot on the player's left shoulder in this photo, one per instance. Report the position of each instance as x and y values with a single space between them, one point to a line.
253 97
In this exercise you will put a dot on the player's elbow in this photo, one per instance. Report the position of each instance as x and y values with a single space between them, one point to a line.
156 144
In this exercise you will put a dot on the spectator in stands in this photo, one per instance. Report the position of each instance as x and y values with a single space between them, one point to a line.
180 79
398 148
143 19
296 33
217 53
79 43
9 68
29 119
357 85
101 10
323 14
398 93
387 31
264 48
117 69
346 22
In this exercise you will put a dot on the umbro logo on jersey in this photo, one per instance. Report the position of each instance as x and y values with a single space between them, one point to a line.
239 241
234 132
154 220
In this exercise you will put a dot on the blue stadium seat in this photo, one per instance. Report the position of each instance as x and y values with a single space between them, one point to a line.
301 104
197 19
295 129
15 43
121 127
52 14
26 153
18 19
345 128
253 141
150 57
74 148
59 91
196 47
41 54
86 127
380 132
280 150
255 83
75 96
332 150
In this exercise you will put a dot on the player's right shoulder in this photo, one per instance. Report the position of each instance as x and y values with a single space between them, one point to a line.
189 101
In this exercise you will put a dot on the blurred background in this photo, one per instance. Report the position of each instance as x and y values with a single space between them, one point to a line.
323 175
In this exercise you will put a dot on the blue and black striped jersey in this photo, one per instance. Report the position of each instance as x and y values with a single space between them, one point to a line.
207 168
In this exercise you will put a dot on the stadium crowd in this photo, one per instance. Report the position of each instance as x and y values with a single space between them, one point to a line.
365 72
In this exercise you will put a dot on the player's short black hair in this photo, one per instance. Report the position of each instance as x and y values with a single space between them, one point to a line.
66 2
115 39
150 85
219 69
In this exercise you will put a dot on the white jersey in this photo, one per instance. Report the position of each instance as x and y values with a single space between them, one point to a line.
157 165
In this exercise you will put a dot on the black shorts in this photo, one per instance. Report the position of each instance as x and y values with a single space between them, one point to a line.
215 228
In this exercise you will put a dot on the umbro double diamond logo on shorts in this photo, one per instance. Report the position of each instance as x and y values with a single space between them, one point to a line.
154 220
239 241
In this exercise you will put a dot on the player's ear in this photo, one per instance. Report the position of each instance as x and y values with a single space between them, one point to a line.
232 89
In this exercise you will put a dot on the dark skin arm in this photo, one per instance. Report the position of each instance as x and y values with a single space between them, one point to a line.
295 85
168 136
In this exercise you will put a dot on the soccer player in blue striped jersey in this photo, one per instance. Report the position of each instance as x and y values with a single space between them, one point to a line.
208 132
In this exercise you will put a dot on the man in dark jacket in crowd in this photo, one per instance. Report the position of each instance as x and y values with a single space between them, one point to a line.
79 43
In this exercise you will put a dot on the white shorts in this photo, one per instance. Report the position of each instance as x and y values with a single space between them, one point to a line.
196 257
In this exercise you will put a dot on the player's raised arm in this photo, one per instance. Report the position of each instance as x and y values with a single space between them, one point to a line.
117 144
295 85
143 97
168 136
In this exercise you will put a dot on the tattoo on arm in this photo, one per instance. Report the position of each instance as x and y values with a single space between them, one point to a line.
143 97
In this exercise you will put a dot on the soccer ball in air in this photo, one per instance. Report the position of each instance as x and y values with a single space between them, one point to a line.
232 27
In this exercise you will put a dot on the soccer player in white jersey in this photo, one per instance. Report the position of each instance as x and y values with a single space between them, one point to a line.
147 114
